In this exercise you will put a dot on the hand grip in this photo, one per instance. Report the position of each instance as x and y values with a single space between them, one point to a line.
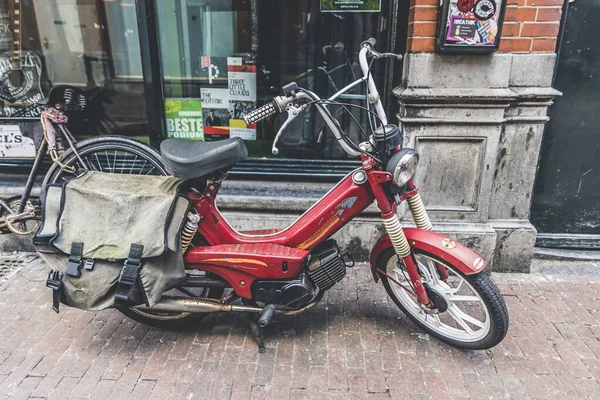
260 113
369 42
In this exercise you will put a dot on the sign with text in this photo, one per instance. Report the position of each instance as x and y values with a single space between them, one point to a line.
350 5
13 144
470 26
184 118
241 77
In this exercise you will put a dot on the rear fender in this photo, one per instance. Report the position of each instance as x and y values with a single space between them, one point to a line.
465 260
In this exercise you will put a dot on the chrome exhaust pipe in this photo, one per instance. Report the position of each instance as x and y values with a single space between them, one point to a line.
186 304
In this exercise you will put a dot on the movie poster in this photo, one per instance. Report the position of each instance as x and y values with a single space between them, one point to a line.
350 5
241 78
473 22
215 111
184 118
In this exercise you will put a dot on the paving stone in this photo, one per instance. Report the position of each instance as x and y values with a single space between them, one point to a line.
355 345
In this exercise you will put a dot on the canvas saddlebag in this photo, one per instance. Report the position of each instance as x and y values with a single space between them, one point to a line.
112 240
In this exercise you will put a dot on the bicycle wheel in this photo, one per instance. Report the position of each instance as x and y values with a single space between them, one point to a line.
112 154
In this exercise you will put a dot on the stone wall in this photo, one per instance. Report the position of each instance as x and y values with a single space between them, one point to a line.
477 121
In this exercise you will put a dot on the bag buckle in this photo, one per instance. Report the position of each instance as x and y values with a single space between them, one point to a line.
130 273
127 280
89 264
75 260
55 283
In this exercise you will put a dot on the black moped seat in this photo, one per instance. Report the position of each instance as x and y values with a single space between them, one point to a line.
189 159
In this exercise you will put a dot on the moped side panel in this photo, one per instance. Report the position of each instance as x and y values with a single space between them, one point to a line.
241 264
464 259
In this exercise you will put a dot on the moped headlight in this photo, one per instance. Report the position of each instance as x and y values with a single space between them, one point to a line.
403 165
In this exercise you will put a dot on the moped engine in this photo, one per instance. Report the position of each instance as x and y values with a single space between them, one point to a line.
326 267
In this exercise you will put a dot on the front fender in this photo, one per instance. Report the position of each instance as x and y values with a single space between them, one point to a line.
464 259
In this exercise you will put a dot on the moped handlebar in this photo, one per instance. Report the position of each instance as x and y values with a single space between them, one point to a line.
260 113
282 103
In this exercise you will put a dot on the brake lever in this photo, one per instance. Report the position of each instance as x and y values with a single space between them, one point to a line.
293 113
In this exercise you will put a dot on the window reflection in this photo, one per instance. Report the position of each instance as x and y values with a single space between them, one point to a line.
91 44
282 41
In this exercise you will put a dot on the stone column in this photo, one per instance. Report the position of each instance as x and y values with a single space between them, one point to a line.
477 122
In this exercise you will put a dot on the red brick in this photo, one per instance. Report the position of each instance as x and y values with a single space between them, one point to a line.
518 45
516 2
544 45
520 14
420 45
545 2
511 29
540 29
424 13
424 3
422 29
551 14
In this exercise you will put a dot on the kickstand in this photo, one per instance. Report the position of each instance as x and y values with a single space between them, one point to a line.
257 332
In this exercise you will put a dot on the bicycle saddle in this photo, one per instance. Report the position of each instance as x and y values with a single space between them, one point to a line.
65 98
189 159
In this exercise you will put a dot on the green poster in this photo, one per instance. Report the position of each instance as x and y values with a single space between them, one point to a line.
184 118
350 5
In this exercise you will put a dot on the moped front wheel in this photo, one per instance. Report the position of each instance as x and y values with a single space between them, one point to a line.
471 312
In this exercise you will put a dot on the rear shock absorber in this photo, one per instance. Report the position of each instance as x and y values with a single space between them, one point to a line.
189 230
417 208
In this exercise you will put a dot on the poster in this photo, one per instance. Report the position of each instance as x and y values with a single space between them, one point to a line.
13 144
473 22
184 118
241 83
5 31
215 112
350 5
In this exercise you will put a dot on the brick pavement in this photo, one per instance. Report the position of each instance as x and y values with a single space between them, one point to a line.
355 345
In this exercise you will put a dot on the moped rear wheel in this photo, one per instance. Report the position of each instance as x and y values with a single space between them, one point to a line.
472 313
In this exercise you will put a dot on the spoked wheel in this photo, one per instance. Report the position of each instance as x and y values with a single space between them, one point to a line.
173 320
111 154
471 311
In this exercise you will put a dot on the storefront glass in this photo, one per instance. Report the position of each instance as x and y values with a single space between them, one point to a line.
91 44
227 57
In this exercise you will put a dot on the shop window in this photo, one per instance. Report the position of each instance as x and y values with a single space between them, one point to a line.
220 59
91 44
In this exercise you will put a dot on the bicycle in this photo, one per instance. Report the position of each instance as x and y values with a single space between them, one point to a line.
115 154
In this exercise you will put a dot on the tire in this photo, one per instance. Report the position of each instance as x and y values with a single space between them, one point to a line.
103 153
168 320
492 303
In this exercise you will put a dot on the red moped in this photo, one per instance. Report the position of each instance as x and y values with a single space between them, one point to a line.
440 284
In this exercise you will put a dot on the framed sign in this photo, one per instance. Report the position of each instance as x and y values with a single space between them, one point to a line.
350 6
470 26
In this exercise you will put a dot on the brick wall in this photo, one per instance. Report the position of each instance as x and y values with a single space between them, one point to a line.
529 26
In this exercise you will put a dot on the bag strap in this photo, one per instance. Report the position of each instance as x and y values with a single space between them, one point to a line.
130 273
75 260
55 282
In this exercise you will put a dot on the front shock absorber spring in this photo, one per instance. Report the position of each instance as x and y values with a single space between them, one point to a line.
189 230
397 236
417 208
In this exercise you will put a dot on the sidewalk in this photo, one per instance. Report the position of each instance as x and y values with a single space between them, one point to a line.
355 345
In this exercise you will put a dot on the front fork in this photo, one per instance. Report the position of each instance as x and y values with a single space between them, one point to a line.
396 233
